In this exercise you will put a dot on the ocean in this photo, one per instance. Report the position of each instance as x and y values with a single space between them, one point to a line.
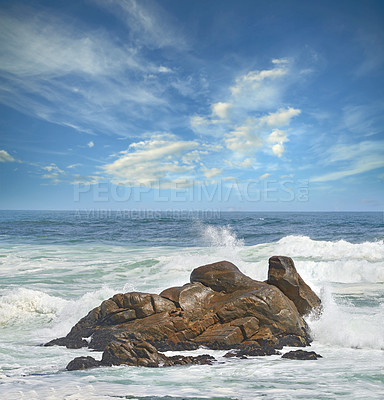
55 266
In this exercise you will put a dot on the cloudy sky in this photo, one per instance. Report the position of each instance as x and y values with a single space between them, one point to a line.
186 104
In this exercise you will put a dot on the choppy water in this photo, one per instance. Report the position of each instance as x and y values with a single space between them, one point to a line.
56 266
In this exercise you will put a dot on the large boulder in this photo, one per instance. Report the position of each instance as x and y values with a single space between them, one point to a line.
221 308
282 274
222 276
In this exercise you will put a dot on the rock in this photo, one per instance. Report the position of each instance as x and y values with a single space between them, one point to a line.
301 355
70 343
132 353
221 276
143 354
253 351
220 334
203 359
282 274
136 353
266 304
194 298
221 308
83 363
293 341
173 293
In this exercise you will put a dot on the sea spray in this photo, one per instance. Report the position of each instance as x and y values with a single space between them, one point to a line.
342 324
304 246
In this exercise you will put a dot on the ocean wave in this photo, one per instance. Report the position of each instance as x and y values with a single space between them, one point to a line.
21 305
52 315
303 246
344 325
219 236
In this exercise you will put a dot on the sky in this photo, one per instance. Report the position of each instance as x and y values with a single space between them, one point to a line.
251 105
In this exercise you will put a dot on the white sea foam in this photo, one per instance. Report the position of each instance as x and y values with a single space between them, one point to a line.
220 236
347 326
324 261
52 315
303 246
22 305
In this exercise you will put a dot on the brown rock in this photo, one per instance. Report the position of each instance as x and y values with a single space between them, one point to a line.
301 355
222 308
248 325
137 353
82 363
225 334
282 274
264 302
194 298
121 317
160 304
173 293
221 276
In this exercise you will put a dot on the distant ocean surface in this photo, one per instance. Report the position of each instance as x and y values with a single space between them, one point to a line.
55 266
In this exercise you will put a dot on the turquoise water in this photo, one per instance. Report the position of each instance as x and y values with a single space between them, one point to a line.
56 266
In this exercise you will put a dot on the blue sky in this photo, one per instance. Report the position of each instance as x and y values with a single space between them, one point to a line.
232 105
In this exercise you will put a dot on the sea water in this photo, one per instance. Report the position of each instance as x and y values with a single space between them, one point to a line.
56 266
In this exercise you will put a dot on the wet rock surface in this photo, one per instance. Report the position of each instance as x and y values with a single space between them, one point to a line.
301 355
282 274
221 308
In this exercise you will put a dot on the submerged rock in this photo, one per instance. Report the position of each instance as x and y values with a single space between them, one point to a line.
301 355
221 309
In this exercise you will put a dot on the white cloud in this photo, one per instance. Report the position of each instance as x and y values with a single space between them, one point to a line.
278 138
148 25
43 46
247 163
280 61
243 140
152 161
256 134
278 149
264 176
353 160
193 156
90 144
252 79
6 157
281 117
364 120
53 168
211 172
55 174
40 55
250 119
84 180
165 70
221 109
74 166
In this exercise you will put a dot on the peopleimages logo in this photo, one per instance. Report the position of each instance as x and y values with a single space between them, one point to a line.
267 190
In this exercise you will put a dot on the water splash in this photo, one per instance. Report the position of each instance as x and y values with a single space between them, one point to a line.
342 324
220 236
